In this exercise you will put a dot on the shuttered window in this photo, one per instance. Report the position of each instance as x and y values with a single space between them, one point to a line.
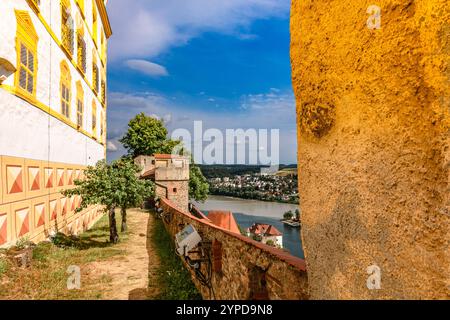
95 77
94 118
103 91
80 108
26 71
26 49
80 105
81 44
102 124
65 89
65 101
67 27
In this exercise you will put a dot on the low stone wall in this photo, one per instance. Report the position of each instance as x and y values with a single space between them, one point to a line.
235 267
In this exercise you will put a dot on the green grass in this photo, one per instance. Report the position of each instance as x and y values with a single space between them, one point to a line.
47 276
174 280
3 266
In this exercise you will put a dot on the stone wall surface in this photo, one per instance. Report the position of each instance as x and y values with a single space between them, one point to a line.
240 268
176 191
373 111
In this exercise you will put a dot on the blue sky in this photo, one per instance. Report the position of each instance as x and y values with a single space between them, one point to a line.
226 64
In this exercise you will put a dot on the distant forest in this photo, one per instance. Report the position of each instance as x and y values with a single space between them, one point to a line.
224 170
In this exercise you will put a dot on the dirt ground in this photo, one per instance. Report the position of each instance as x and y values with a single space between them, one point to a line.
133 275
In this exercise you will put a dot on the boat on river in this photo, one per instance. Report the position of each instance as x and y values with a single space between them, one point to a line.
293 224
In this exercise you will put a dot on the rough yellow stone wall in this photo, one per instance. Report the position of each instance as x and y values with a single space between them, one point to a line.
373 108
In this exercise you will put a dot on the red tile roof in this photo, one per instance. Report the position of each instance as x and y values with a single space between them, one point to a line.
225 220
264 230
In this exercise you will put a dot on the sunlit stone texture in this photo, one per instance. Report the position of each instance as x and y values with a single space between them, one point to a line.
373 108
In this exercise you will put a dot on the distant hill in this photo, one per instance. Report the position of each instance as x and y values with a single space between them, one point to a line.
224 170
287 172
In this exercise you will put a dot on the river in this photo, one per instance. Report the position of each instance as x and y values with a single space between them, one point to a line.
247 212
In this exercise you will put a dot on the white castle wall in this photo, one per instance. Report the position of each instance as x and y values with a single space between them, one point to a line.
42 152
25 130
28 132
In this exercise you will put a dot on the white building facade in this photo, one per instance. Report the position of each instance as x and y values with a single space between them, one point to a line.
53 56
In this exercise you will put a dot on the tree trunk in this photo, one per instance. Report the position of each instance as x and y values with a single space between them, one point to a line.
124 219
113 235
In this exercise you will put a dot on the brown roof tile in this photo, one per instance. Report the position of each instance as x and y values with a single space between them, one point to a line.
264 230
224 219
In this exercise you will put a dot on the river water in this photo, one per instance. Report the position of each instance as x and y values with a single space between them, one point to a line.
247 212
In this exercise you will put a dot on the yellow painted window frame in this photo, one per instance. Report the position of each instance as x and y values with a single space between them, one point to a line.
66 81
81 54
95 76
80 100
94 22
26 36
102 125
65 29
103 88
34 4
80 4
103 46
94 118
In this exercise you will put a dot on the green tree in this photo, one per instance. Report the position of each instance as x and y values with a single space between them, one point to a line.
297 214
198 185
147 136
270 243
288 215
135 190
113 186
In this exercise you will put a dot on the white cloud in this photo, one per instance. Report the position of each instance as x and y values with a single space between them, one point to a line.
145 28
111 147
167 118
270 110
147 67
274 100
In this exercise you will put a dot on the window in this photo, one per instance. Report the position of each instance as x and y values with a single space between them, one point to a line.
80 104
80 113
103 45
102 124
103 91
26 69
26 47
81 45
65 89
95 75
67 27
94 118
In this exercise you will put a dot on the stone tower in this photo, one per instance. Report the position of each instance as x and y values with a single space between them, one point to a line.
171 176
372 85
